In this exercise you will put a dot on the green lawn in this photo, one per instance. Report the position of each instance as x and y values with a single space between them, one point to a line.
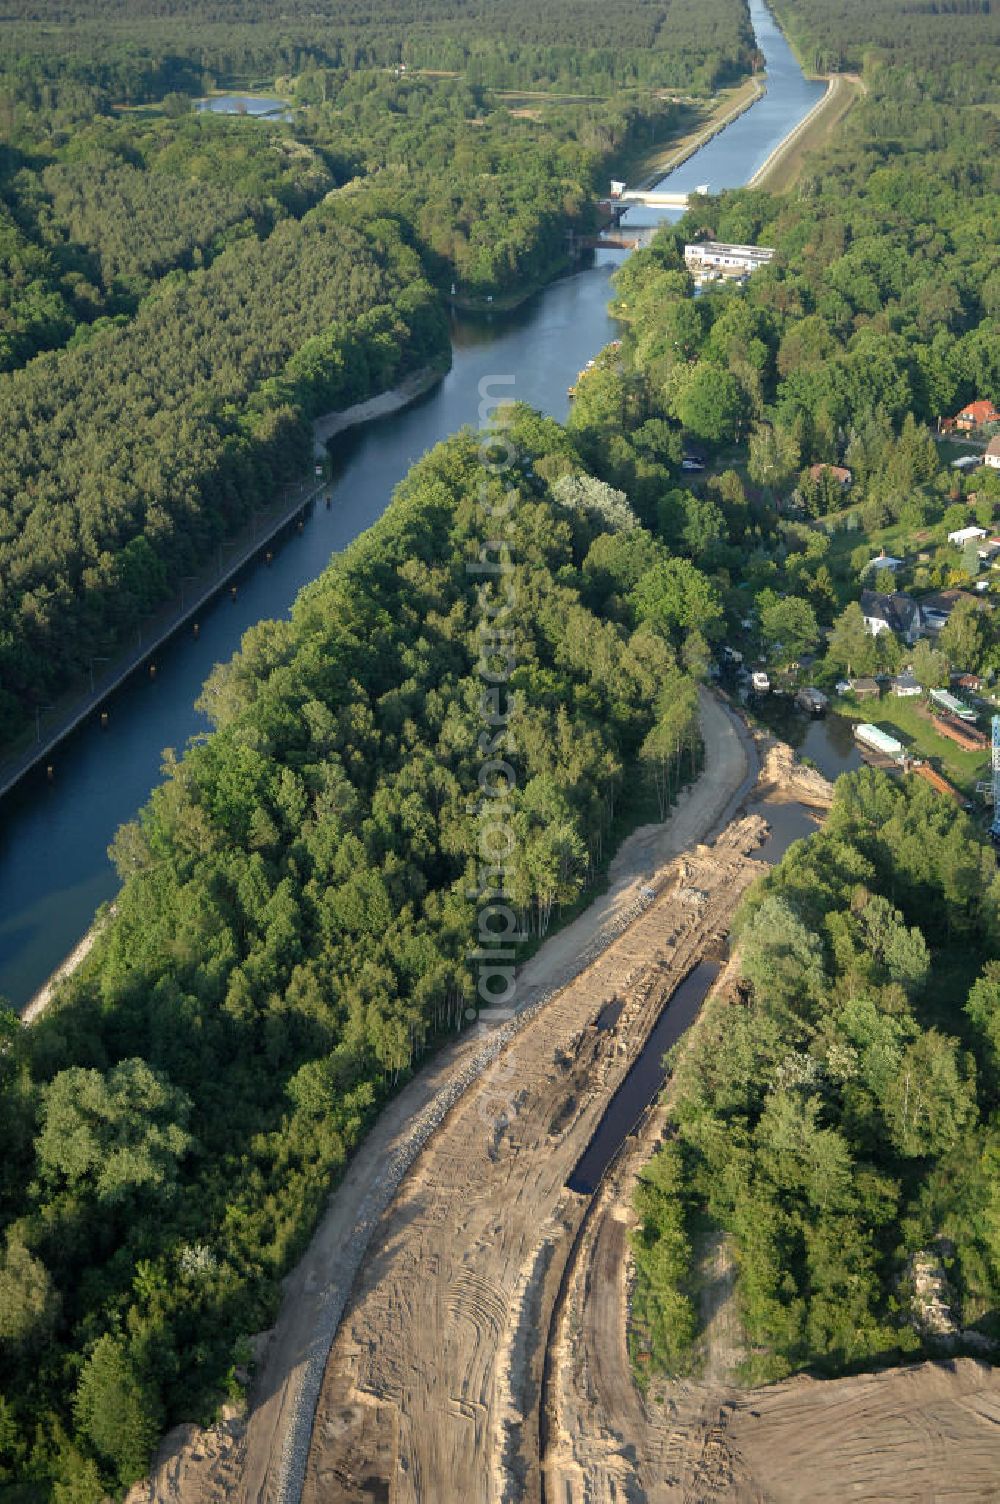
902 718
897 539
956 449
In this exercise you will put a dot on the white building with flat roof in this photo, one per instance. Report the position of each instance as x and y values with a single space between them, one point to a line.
731 258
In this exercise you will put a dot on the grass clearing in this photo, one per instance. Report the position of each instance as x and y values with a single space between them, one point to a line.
957 449
908 721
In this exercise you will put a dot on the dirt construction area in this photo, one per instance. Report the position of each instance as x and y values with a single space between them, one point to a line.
408 1362
433 1386
925 1434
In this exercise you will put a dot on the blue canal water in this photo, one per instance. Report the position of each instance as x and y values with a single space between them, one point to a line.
54 869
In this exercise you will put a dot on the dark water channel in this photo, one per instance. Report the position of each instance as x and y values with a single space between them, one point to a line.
54 869
827 742
644 1081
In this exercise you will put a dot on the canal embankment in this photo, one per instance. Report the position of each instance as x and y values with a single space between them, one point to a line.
290 502
782 168
43 997
652 167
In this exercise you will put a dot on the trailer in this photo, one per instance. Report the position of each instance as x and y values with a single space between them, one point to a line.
948 703
879 741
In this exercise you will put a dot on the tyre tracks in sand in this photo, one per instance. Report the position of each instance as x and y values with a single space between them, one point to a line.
437 1261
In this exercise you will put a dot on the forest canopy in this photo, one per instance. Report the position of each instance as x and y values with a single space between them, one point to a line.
836 1119
150 48
195 289
293 932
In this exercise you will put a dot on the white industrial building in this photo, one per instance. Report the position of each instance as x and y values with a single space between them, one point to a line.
727 258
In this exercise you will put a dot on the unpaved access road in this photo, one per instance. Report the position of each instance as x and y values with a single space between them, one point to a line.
433 1385
261 1459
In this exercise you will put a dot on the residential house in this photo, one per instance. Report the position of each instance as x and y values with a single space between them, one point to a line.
884 561
963 535
975 414
936 609
865 689
896 613
992 455
905 685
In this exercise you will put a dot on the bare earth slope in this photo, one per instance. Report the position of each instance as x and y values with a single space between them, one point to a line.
927 1432
432 1388
261 1459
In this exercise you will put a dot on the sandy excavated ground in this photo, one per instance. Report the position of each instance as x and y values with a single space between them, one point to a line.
261 1458
927 1432
433 1384
783 779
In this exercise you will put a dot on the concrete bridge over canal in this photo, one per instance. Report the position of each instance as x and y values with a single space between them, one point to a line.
651 199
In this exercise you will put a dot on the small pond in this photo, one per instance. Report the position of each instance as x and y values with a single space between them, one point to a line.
258 106
827 742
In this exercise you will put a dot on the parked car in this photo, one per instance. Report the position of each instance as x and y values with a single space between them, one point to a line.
688 464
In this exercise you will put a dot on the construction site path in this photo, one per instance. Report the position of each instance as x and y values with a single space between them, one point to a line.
262 1459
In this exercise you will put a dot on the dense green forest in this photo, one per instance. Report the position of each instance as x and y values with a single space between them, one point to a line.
215 283
148 49
838 1118
128 457
957 41
95 213
91 217
490 194
293 928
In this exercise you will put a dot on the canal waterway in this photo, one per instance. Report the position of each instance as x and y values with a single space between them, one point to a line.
54 869
825 742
